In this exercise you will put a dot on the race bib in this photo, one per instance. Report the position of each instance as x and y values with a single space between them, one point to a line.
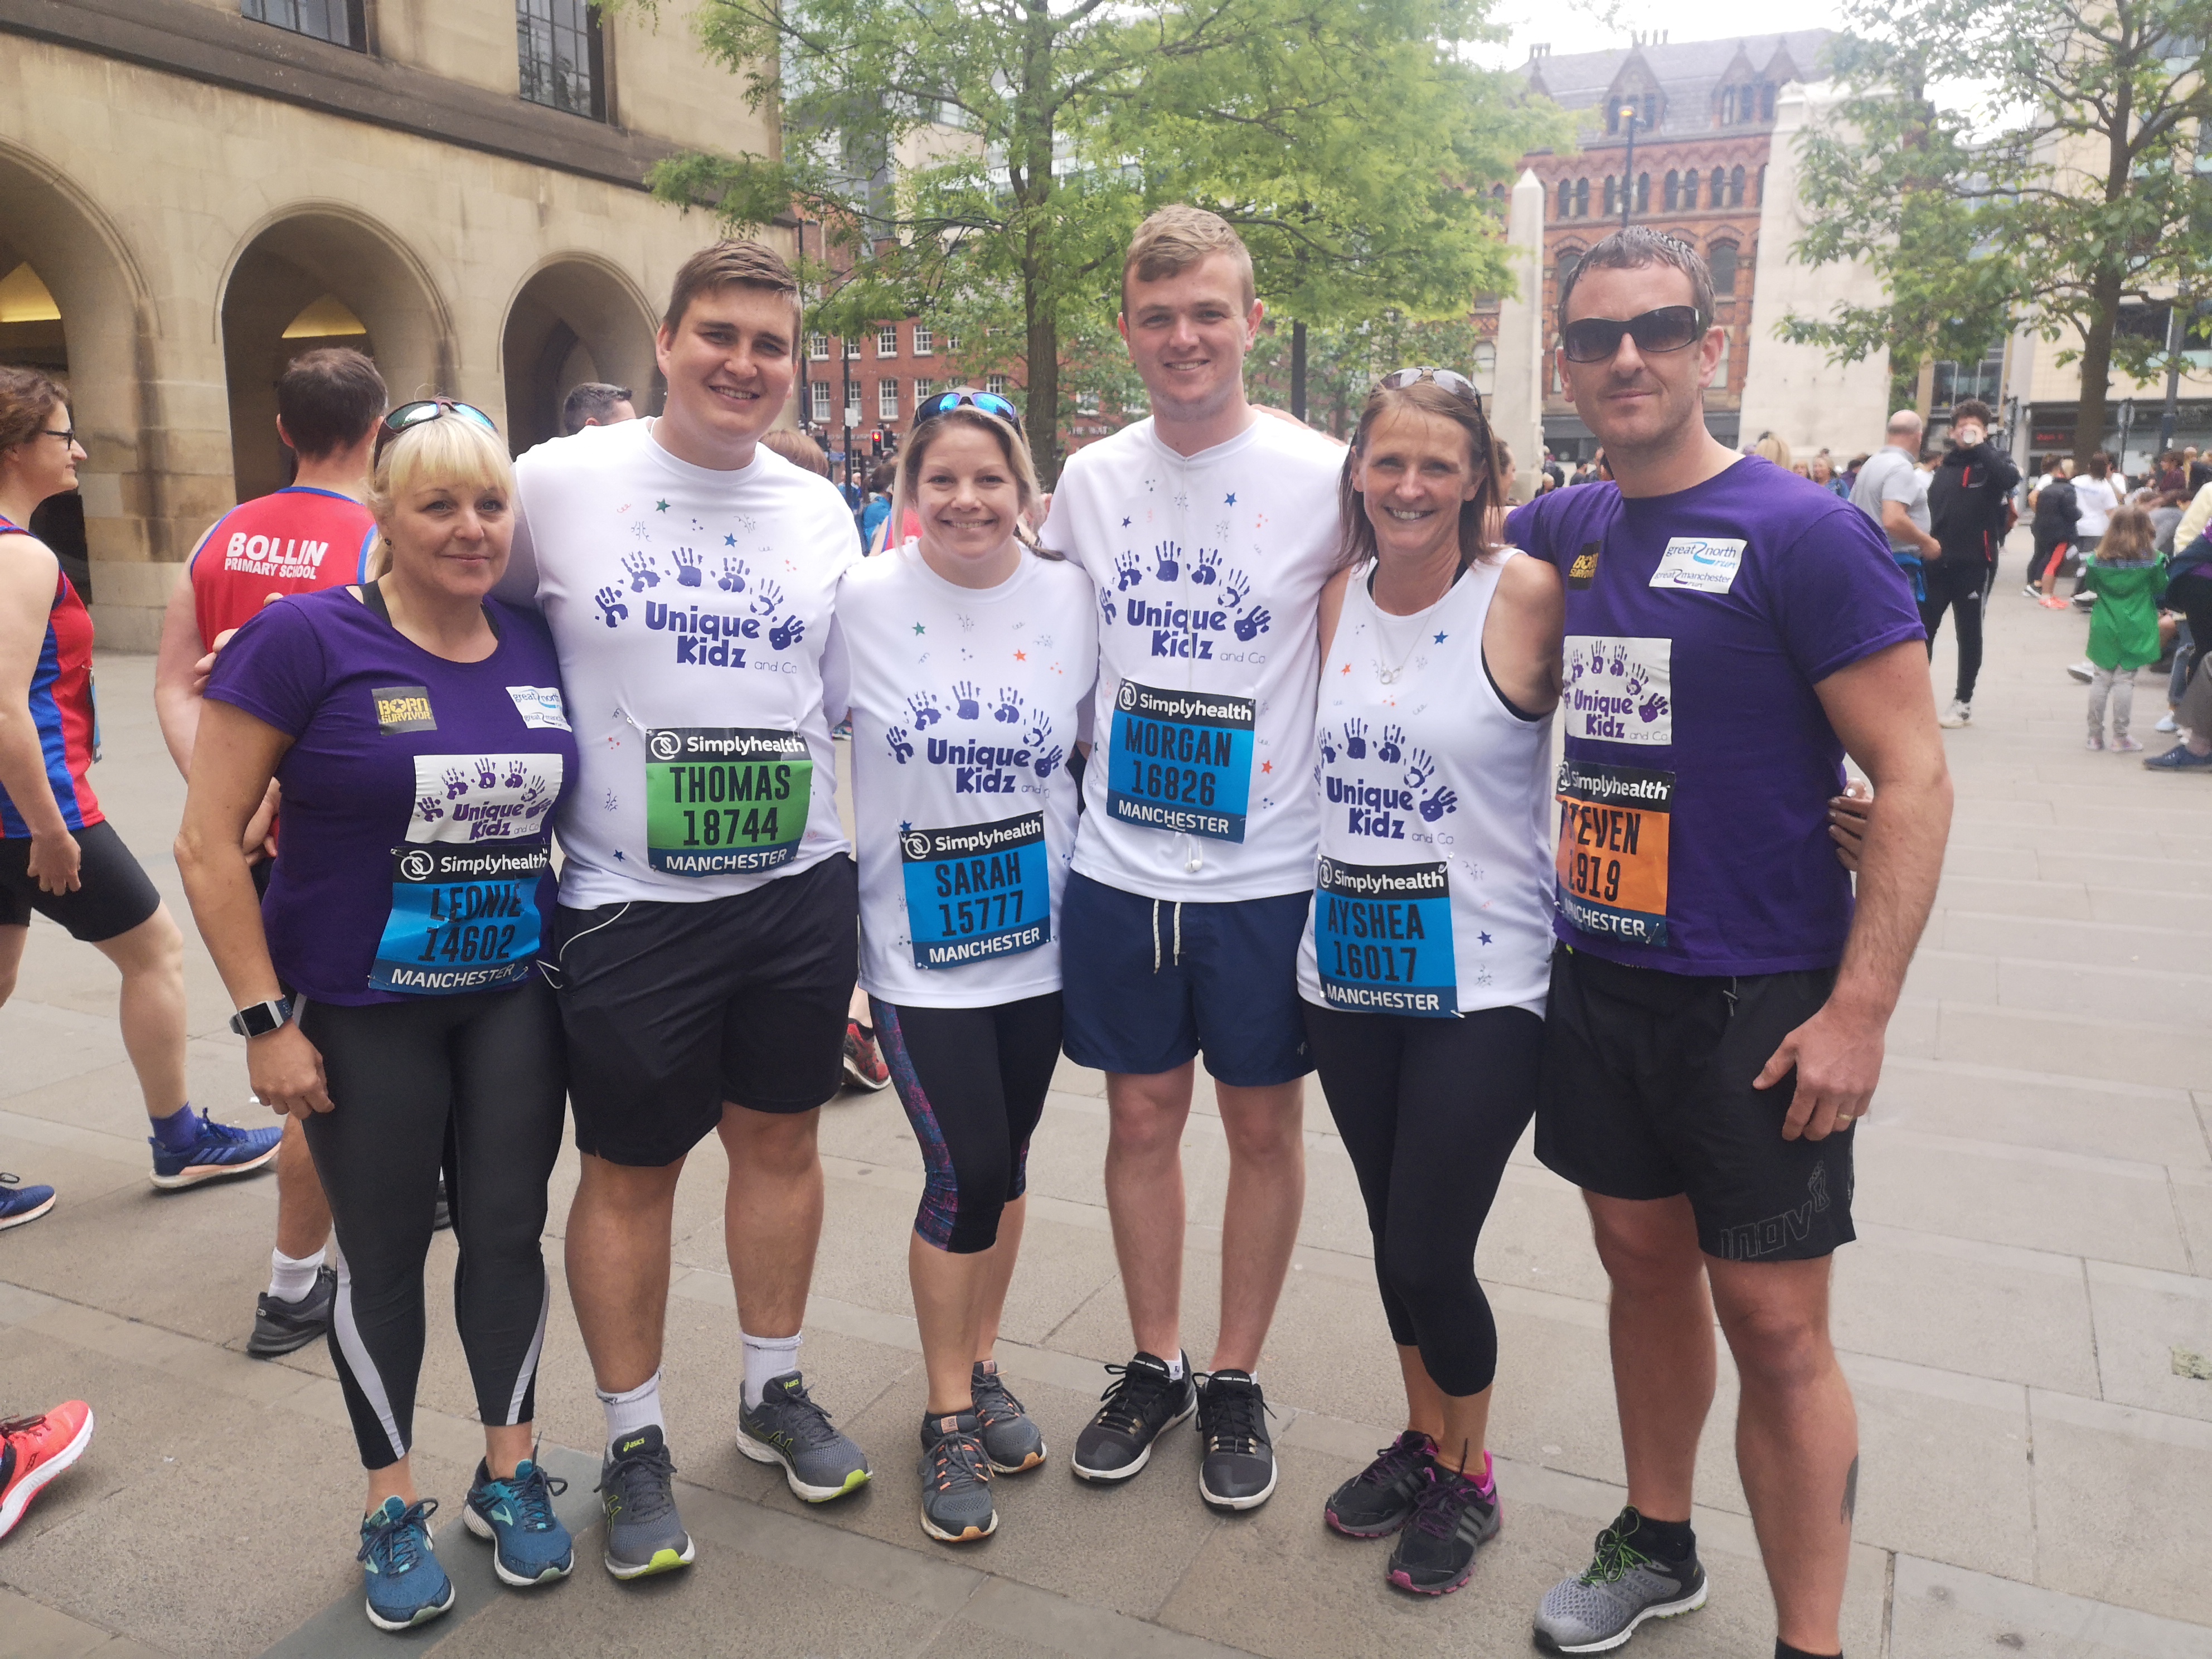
1619 691
720 798
1614 824
1699 564
977 893
1181 760
1382 940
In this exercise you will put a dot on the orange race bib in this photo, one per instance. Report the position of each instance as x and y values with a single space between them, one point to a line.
1613 827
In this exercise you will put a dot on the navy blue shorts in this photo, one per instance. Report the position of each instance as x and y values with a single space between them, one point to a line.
1138 1001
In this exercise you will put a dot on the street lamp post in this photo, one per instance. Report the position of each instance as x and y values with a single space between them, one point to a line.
1628 177
805 409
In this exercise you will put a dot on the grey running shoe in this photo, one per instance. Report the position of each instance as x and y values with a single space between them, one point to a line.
1622 1587
645 1534
280 1328
955 1481
1014 1443
788 1428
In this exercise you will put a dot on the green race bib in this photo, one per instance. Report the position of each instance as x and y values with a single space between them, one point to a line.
723 799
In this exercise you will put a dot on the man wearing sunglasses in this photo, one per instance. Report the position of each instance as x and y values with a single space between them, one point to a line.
1716 1013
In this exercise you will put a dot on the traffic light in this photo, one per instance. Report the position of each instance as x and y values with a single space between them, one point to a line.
876 443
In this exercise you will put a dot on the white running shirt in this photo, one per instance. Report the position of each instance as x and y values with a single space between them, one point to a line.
1208 570
1433 891
689 608
966 703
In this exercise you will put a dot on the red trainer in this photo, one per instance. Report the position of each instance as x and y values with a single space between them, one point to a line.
34 1450
864 1061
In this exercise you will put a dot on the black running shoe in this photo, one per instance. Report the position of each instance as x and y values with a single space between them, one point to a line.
1379 1500
1436 1552
1135 1409
282 1327
1238 1472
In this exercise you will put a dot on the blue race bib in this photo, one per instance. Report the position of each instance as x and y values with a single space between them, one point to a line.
463 918
1181 760
978 892
1382 940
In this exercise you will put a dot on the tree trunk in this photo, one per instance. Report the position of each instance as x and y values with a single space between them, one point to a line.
2096 364
1298 370
1040 312
1033 186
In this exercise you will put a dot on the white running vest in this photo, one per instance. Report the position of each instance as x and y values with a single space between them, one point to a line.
1432 893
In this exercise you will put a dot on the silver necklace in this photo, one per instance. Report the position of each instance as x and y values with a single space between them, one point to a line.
1390 676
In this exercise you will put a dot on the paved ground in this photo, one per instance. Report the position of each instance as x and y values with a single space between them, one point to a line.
2035 1195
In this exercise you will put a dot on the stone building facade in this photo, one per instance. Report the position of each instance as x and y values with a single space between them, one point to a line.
191 190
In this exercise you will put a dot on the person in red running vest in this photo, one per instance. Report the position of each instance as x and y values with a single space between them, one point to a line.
314 533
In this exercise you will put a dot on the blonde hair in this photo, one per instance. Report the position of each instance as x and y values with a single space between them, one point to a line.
1011 444
2131 537
1177 237
1770 448
451 449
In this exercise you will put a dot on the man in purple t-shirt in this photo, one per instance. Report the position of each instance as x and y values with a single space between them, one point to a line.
1717 1015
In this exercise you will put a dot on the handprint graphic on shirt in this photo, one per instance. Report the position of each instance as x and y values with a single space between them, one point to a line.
967 707
429 809
1435 807
1249 627
487 774
1106 602
767 599
531 796
1048 762
1234 587
1167 561
1388 749
732 579
687 567
902 750
517 769
1009 711
643 574
456 785
1420 766
784 632
1652 706
1131 574
1207 570
1327 747
611 609
1355 738
1619 661
1034 737
927 714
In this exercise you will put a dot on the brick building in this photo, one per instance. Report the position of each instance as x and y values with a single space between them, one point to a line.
1702 117
871 384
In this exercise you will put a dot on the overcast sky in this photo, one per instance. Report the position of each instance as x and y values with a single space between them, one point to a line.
1576 26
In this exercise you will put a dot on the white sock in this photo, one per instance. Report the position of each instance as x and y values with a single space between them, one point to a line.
291 1277
768 1358
628 1413
1175 1369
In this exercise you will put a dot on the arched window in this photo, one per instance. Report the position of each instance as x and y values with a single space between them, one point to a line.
1716 193
1612 195
1728 107
1613 115
1673 189
1569 261
1735 187
1720 260
1582 199
1644 193
1651 109
1767 101
1690 191
1566 199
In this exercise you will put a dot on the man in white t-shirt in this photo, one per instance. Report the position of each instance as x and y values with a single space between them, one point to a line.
704 949
1207 532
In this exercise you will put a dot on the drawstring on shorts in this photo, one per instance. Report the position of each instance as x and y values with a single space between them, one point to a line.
1177 959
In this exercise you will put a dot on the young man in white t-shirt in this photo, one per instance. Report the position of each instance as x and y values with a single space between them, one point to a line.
1208 532
705 947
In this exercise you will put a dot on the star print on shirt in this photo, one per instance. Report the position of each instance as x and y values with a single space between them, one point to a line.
1021 656
1347 668
1441 638
906 827
1267 766
661 506
1125 523
1231 499
918 629
1485 937
729 541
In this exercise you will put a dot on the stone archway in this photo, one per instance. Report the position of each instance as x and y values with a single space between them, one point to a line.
321 260
575 317
98 332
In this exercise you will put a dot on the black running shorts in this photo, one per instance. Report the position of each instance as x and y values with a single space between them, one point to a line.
671 1009
1647 1093
113 894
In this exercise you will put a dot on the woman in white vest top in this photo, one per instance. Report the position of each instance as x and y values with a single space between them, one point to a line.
1424 968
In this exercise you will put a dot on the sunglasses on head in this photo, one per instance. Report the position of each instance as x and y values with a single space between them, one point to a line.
1670 328
989 402
430 409
1451 379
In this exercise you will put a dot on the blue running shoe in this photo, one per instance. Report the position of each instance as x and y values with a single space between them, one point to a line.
530 1545
217 1151
406 1585
18 1203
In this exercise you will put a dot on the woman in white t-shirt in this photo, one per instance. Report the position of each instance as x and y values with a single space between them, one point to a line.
2098 493
967 658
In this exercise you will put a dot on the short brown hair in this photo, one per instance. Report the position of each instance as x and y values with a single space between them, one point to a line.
26 398
1483 450
796 448
1177 237
329 399
1631 250
731 263
1972 409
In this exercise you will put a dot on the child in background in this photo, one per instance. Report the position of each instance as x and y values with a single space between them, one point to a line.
2127 575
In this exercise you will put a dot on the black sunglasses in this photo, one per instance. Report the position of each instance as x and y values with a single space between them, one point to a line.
1451 379
1670 328
430 409
989 402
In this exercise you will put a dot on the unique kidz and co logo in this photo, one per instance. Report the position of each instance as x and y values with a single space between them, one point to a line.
463 798
1382 810
1187 626
980 766
1619 691
704 633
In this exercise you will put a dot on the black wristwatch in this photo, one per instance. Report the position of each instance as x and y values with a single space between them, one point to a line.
262 1018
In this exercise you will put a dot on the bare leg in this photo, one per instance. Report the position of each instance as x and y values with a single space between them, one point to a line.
772 1217
505 1446
151 957
948 1291
1145 1199
1457 1423
1661 1320
1266 1128
1796 1438
617 1255
303 1214
12 941
1424 1400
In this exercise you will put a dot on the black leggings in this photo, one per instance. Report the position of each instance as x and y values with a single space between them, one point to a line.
1429 1110
2047 548
475 1083
973 1081
1962 586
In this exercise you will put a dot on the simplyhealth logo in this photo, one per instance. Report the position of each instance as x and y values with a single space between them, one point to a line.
709 632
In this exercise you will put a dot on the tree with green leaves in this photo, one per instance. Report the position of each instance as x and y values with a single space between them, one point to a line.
984 162
2076 183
